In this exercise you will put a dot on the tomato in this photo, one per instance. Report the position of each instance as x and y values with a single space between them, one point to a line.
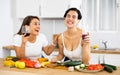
95 67
98 67
28 62
90 68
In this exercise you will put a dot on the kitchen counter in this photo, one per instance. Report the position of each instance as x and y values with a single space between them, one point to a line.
47 71
10 47
106 51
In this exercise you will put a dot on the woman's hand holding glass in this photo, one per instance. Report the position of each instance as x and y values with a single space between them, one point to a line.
85 38
26 32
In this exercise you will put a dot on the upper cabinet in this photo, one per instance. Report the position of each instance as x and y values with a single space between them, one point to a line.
26 7
44 8
118 1
54 8
118 14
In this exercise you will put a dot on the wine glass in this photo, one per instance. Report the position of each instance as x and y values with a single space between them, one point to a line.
84 35
25 30
101 59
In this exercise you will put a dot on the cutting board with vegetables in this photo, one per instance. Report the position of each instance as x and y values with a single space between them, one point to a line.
63 65
68 65
56 66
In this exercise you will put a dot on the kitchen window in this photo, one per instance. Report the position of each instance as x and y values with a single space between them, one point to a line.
100 15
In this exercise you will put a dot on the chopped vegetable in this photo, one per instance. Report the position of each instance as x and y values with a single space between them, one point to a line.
77 67
82 65
71 68
37 65
59 62
95 67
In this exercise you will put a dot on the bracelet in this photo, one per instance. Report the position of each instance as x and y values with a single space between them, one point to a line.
53 44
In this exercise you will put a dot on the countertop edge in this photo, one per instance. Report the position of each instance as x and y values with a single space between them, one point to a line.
10 47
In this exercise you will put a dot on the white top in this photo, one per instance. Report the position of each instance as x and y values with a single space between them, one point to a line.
32 50
74 55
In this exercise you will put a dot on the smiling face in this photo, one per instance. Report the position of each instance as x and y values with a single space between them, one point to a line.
34 26
71 19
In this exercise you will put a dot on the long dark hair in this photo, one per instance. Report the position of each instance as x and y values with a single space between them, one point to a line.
76 10
27 21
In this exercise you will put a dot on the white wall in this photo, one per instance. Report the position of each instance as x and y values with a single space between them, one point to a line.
6 25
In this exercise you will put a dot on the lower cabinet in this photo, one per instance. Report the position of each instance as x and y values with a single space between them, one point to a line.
94 59
113 59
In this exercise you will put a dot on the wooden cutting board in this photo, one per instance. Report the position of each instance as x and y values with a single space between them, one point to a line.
55 66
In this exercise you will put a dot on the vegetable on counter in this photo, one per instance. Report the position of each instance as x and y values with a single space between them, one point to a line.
95 67
71 68
81 66
42 59
72 63
109 68
112 66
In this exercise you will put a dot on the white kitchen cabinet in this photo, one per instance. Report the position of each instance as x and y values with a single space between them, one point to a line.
113 59
54 8
57 8
44 8
94 58
118 1
118 14
26 7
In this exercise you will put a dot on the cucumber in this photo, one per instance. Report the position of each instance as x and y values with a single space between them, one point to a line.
15 59
108 69
72 63
112 66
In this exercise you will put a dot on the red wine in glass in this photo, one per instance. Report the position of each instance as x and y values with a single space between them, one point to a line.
83 36
25 31
27 34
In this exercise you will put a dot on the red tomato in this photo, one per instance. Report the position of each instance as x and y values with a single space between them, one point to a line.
90 68
98 67
30 64
94 67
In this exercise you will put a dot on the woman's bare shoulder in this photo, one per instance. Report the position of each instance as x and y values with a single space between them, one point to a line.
79 29
60 37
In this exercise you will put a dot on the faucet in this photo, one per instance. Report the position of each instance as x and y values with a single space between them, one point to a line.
105 44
